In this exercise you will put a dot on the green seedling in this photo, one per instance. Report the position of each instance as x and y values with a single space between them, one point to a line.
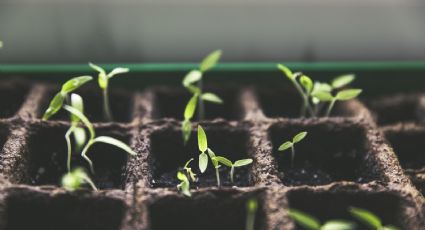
189 171
93 139
184 185
198 96
103 81
232 166
343 95
75 179
311 223
203 157
67 88
370 219
78 133
251 210
291 144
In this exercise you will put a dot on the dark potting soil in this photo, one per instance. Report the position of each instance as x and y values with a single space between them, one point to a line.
12 97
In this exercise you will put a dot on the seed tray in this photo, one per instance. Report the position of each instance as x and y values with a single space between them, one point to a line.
346 160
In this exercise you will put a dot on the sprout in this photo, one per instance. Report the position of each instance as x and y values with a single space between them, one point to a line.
232 166
311 223
189 171
103 81
251 209
343 95
291 144
58 100
79 133
184 185
203 157
198 96
370 219
93 139
76 179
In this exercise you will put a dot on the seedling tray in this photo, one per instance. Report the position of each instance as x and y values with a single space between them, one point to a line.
369 154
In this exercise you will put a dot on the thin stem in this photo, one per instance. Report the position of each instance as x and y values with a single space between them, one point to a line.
250 221
201 105
292 155
84 152
331 105
90 182
217 174
232 171
304 97
69 149
106 108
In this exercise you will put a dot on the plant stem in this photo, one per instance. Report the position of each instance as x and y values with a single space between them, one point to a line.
217 174
292 155
250 221
331 105
306 105
69 149
201 105
106 109
232 171
90 182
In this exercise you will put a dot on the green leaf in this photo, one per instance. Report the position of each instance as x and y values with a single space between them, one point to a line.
181 176
304 219
82 117
54 106
286 71
285 146
243 162
366 217
252 205
203 162
186 130
77 103
187 163
202 139
97 68
307 83
299 137
212 157
190 107
342 81
319 86
211 98
338 225
224 161
210 61
80 137
323 95
116 143
192 77
102 80
348 94
71 182
184 186
75 83
116 71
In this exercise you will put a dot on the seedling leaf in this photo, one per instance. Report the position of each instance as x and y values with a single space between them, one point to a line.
366 217
76 102
342 81
184 186
286 71
203 162
82 117
323 95
211 97
190 107
75 83
338 225
97 68
116 71
116 143
80 137
210 61
299 137
348 94
224 161
192 77
285 146
307 83
304 219
243 162
74 180
186 130
54 106
202 139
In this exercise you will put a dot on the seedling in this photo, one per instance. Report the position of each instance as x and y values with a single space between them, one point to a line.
311 223
251 210
198 96
291 144
184 185
370 219
189 171
58 100
203 157
78 133
93 139
314 94
103 81
75 179
232 166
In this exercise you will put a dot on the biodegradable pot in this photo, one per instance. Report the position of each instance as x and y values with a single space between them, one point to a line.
345 160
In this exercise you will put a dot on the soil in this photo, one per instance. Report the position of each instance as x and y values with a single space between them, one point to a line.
12 96
345 160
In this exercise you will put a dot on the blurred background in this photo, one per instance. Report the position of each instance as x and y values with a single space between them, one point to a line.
78 31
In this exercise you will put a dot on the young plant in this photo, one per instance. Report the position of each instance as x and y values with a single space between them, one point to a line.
78 133
232 166
103 81
370 219
311 223
198 96
58 100
343 95
189 171
184 185
203 157
291 144
251 210
75 179
93 139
